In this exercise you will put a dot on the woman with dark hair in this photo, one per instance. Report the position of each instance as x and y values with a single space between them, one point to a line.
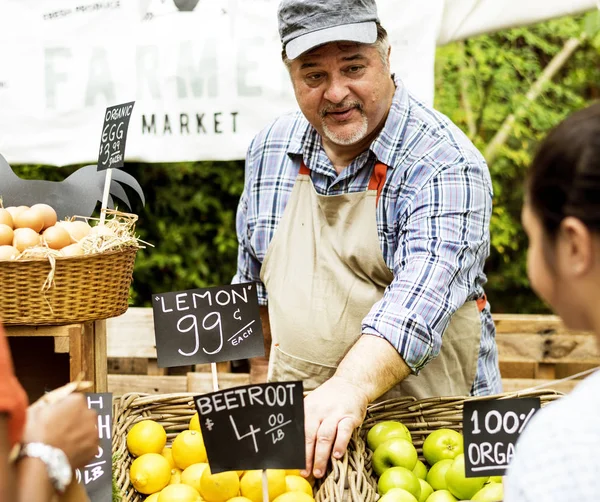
55 439
557 455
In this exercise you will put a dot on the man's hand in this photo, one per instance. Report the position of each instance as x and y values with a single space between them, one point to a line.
332 412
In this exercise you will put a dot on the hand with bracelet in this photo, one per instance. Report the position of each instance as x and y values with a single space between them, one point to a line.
56 436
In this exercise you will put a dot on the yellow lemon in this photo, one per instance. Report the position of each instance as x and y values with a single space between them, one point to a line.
146 436
219 487
239 499
179 493
292 472
150 473
168 454
188 448
251 484
192 474
152 498
297 484
294 497
195 423
175 476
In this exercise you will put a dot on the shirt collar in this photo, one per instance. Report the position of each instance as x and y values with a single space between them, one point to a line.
307 142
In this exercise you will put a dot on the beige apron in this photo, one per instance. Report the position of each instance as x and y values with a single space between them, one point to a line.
323 271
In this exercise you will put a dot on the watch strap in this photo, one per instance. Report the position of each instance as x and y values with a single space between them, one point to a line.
57 463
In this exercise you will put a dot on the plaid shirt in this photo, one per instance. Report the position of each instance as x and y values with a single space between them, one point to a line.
556 457
432 220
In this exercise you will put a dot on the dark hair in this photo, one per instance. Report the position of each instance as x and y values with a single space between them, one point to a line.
564 178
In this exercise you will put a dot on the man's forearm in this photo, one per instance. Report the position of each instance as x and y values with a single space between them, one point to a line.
373 365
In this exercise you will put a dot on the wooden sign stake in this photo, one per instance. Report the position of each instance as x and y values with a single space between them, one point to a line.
213 368
107 181
265 486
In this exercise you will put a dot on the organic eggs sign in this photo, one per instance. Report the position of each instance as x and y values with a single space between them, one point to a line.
207 325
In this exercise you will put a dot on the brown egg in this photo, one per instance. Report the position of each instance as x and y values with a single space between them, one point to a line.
26 238
14 210
56 237
6 218
72 250
8 252
30 218
50 216
6 235
79 229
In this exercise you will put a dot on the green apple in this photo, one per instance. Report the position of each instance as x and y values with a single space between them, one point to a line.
426 490
442 444
458 484
491 492
398 495
394 452
420 470
441 496
399 477
436 476
386 430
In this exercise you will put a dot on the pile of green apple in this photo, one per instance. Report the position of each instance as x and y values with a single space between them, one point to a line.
405 478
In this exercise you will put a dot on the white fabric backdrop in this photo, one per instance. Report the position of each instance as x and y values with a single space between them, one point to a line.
204 80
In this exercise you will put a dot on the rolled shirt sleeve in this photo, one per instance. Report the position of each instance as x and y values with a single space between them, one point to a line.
442 246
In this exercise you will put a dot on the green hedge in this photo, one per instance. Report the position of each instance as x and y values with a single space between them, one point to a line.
190 213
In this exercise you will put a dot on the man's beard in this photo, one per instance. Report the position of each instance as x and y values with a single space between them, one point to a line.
340 138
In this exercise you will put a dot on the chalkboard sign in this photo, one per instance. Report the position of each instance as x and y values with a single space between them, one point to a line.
97 475
114 135
491 429
207 325
254 427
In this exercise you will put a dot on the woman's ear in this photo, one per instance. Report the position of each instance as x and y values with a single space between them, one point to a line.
575 248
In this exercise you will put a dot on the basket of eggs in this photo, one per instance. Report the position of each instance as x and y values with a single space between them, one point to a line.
61 272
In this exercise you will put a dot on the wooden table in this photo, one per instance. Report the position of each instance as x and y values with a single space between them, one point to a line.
46 357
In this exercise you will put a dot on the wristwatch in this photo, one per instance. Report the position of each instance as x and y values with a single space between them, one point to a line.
57 463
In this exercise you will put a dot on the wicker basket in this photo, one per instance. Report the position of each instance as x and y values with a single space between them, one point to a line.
421 418
173 412
348 479
85 288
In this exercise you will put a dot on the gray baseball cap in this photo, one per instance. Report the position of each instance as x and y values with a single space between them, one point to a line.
306 24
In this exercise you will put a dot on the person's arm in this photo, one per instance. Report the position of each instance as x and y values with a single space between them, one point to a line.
248 270
67 424
440 254
7 490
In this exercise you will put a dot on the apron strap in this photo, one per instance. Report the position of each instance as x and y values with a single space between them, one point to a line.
375 183
481 302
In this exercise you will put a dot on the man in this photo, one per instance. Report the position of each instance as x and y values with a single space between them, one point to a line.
364 219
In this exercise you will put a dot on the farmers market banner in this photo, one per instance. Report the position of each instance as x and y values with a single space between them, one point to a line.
206 75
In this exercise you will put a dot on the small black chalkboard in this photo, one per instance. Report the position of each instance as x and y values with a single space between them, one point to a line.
254 427
97 475
114 136
207 325
491 429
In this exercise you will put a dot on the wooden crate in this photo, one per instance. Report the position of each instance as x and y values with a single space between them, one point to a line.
46 357
533 350
538 349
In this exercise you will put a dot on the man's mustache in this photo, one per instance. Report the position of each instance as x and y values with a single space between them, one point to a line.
340 106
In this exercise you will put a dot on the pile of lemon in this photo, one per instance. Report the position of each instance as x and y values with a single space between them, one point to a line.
180 473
